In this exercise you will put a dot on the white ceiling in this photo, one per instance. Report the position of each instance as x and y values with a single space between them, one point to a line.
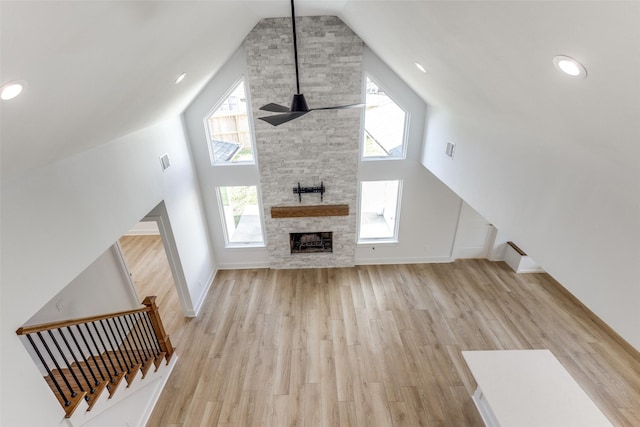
99 70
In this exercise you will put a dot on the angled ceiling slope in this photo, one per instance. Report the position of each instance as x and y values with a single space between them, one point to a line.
96 71
99 70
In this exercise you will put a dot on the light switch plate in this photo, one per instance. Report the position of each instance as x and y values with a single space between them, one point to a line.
164 159
451 148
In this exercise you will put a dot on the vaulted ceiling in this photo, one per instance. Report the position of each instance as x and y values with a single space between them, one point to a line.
98 70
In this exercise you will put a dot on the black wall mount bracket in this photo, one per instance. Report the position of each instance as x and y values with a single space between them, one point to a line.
316 189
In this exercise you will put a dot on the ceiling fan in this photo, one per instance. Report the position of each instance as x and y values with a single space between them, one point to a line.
299 105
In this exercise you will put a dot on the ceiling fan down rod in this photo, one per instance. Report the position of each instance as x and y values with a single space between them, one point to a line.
295 47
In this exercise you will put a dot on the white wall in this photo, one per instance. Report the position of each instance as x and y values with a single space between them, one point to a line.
61 218
429 210
101 288
474 235
221 175
576 214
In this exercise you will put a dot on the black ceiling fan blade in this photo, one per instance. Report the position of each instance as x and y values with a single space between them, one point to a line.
340 107
278 119
275 108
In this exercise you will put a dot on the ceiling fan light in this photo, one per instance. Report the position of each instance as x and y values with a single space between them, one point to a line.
298 103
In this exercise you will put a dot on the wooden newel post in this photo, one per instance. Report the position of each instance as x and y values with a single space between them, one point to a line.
156 321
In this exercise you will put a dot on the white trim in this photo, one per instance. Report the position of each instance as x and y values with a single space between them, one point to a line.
455 232
364 261
156 395
416 260
142 233
396 220
226 221
372 241
144 228
160 216
179 279
205 291
243 266
405 131
116 249
207 128
484 409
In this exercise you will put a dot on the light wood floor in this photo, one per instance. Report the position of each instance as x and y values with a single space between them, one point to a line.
377 346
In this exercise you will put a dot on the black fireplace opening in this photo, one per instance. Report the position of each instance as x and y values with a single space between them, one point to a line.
318 241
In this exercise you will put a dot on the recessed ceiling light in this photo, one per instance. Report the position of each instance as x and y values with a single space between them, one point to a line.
421 68
569 66
11 90
181 77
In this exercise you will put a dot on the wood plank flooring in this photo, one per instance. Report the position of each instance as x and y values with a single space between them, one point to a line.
377 346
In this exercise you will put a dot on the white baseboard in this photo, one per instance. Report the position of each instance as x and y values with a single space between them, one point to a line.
244 266
142 233
366 261
204 293
416 260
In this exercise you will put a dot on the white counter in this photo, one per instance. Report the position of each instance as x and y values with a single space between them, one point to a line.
529 388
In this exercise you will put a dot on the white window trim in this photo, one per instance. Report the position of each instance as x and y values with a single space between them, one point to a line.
207 130
380 240
405 131
225 232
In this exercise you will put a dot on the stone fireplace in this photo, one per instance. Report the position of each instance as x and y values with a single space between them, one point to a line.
321 147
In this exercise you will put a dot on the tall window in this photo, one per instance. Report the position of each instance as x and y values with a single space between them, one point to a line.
241 215
384 125
379 210
228 129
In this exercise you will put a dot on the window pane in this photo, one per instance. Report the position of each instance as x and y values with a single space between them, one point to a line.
241 214
228 128
384 124
379 209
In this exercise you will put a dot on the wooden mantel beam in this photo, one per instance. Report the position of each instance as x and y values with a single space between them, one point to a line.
309 211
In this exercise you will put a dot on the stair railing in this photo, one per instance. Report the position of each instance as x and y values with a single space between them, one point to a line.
81 356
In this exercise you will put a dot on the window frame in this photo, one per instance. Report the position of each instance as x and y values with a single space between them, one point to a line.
363 130
207 129
223 219
387 240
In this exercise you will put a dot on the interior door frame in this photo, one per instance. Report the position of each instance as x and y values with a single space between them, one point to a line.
160 216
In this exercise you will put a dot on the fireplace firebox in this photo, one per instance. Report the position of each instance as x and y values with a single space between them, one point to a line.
318 241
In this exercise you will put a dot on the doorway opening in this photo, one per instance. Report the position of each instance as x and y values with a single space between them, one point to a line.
149 258
150 274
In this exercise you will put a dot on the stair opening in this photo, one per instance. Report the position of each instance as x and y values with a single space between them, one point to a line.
81 358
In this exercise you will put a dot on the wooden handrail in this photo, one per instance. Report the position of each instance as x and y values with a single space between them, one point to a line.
64 323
